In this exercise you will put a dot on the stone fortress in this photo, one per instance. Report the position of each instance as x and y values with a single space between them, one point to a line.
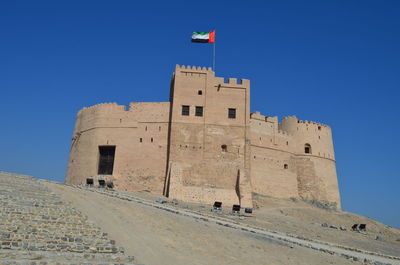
203 146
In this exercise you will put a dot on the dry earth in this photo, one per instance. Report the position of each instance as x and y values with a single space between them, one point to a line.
156 237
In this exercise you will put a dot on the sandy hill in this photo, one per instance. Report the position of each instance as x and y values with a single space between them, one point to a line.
161 231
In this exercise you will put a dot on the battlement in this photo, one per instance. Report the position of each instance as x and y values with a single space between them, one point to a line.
198 71
103 106
313 123
294 119
193 68
233 82
258 116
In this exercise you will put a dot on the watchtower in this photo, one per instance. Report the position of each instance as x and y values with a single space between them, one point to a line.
209 138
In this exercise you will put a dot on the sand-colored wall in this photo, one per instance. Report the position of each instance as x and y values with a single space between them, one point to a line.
139 164
309 176
160 150
199 167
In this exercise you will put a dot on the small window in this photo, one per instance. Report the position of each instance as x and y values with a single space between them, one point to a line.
307 148
145 128
159 128
319 128
200 92
199 111
287 143
185 110
231 113
285 166
140 139
151 139
224 148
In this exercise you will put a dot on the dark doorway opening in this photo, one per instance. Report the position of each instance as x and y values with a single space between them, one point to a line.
106 160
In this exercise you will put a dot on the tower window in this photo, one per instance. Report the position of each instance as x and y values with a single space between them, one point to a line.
285 166
319 128
199 111
106 160
224 148
307 148
140 139
231 113
185 110
200 92
151 139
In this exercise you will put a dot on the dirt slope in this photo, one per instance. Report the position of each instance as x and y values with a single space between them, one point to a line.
159 237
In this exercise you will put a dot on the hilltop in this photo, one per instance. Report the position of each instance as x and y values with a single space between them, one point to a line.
160 231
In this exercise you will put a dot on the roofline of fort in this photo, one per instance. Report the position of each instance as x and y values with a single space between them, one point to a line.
286 117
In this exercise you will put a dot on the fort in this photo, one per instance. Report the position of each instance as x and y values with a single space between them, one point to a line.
203 146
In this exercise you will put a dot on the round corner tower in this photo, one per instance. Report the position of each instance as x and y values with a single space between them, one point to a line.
315 159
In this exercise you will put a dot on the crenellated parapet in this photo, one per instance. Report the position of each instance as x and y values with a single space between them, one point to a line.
192 68
258 116
232 82
202 72
102 107
313 123
292 124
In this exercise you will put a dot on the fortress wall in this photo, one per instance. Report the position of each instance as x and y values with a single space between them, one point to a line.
196 141
318 135
105 115
268 175
317 179
140 137
209 157
198 194
149 112
82 158
270 151
316 171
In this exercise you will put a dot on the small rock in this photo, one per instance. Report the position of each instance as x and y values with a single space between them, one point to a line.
161 200
333 226
324 225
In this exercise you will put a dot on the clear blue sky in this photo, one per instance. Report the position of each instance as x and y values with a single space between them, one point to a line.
335 62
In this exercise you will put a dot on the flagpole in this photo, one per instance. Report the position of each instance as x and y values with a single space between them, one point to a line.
214 57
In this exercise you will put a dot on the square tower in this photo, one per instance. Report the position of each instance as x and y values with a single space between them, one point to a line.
209 146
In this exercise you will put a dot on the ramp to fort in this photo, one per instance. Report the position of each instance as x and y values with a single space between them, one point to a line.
37 227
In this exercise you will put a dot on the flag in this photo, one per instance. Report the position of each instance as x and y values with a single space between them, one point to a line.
204 37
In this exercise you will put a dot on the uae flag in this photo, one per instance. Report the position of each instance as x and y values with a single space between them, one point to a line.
204 37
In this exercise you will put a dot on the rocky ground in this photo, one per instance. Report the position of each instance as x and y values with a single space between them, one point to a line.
161 231
37 227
